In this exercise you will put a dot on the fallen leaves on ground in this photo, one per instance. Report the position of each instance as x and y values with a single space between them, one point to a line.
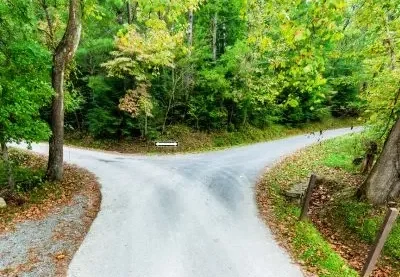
50 199
350 247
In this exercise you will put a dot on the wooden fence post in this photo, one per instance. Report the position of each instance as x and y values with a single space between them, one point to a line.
307 198
376 249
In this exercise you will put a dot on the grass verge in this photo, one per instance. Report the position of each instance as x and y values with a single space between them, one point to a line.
336 240
194 141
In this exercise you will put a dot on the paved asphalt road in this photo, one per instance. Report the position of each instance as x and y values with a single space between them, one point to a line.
188 215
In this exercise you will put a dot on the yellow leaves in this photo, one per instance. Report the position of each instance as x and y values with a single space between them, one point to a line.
140 53
60 256
265 43
340 5
93 10
170 10
156 24
156 47
307 69
252 39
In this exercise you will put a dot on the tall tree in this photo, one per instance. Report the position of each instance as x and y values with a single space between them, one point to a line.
214 35
383 183
24 86
190 29
146 49
383 93
63 54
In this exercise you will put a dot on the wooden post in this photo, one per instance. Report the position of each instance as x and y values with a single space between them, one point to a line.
376 249
307 198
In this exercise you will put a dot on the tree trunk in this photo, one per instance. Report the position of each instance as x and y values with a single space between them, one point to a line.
224 44
188 75
6 160
134 11
62 56
214 32
129 10
190 30
244 116
145 126
171 98
383 183
51 39
391 45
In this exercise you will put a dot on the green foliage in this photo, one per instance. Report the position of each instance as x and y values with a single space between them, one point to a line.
102 123
340 153
360 218
318 253
26 179
276 63
190 140
365 221
381 74
353 221
289 63
24 76
304 240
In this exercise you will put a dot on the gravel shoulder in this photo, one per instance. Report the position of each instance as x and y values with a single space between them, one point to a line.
41 239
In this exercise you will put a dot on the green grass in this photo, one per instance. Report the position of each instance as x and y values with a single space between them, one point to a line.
318 253
195 141
358 217
340 153
332 159
304 240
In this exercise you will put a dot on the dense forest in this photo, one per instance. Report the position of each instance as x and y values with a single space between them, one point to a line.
213 65
131 69
142 66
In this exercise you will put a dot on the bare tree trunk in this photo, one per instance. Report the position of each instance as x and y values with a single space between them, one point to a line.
10 175
62 56
224 44
135 6
145 126
214 32
132 11
244 116
190 30
171 98
129 10
188 75
383 183
391 45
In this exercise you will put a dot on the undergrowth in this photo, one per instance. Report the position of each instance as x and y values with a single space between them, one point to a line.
351 222
193 141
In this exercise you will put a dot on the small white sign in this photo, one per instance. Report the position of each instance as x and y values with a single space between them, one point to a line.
174 144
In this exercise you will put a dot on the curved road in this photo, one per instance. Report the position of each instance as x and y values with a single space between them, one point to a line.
188 215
